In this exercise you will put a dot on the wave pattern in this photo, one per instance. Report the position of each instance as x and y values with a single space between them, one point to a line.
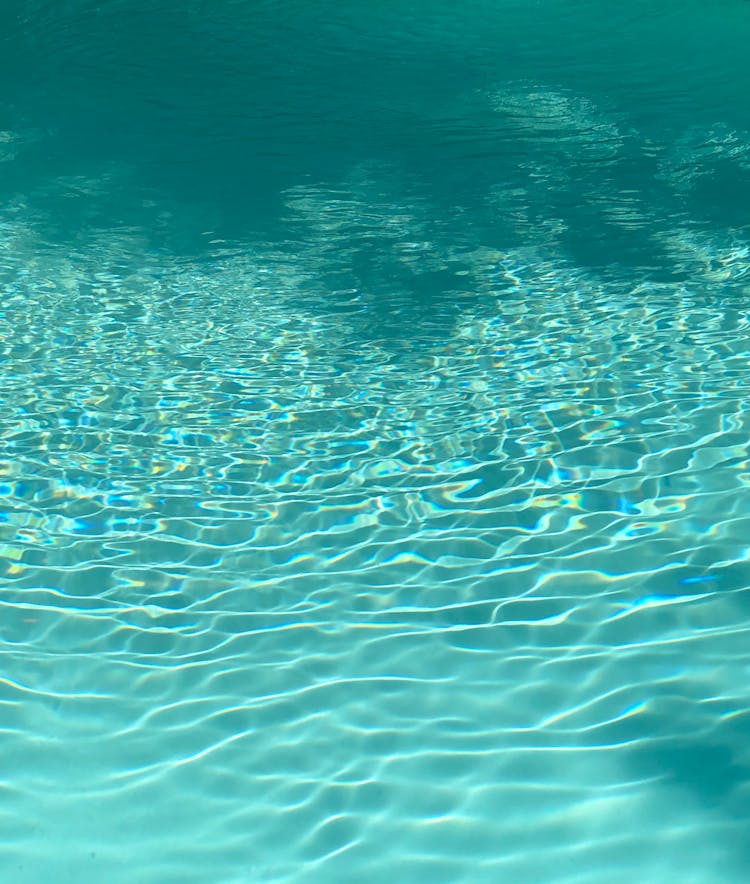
381 547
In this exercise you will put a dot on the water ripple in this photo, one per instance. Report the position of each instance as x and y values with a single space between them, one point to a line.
405 525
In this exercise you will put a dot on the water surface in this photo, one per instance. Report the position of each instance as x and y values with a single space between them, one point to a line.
374 473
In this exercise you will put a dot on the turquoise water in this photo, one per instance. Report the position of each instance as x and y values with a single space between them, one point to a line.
374 461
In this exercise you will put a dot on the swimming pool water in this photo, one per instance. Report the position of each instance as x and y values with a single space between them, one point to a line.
374 454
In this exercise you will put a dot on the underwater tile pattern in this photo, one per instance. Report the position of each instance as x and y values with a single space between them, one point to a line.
403 539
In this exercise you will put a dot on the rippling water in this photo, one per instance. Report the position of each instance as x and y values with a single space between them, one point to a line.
374 461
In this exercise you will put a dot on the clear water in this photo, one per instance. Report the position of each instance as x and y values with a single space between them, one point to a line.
375 474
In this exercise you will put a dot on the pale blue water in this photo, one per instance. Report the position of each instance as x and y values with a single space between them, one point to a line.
374 468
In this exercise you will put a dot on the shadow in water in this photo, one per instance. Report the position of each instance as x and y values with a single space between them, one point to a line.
711 771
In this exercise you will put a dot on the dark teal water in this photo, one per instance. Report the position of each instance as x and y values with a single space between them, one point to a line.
374 426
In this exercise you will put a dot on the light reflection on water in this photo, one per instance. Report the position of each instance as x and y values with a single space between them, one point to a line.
374 468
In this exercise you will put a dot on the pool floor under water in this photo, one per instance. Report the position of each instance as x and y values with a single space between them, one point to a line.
401 534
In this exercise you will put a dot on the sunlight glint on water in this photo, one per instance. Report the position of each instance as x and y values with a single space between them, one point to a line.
374 480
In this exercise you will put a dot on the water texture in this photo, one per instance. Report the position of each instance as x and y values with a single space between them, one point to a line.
374 441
